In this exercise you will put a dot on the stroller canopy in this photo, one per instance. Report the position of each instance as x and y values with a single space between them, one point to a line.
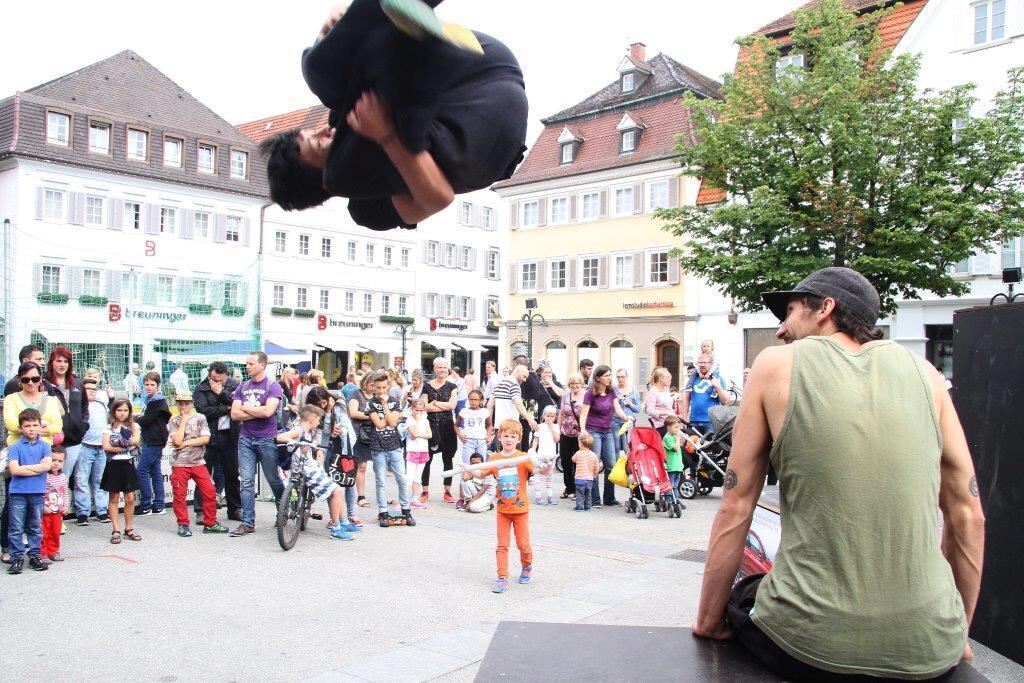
722 417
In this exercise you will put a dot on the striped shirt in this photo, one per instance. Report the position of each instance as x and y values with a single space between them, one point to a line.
506 393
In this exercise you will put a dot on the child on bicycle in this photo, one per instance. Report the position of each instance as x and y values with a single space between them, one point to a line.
319 482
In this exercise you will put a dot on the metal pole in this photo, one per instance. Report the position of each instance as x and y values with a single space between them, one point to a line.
529 338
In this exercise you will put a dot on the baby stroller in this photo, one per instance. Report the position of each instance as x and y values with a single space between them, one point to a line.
645 465
711 451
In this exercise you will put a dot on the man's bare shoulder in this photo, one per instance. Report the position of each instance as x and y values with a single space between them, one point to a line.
773 358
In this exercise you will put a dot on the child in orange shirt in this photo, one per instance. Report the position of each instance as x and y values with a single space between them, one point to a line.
513 502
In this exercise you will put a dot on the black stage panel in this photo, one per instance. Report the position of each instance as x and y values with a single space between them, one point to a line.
988 391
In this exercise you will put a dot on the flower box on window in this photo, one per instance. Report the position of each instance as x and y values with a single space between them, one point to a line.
397 319
280 310
232 311
51 298
200 309
304 313
89 300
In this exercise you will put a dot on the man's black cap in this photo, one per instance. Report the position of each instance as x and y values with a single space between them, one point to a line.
847 287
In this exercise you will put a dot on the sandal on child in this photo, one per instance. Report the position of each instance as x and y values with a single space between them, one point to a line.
131 535
362 502
115 537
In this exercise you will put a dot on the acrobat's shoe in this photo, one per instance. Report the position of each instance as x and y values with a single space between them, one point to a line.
417 19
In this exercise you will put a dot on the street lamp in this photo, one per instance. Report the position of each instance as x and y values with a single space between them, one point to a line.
527 322
403 330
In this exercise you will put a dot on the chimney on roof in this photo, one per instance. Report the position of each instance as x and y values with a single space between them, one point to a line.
638 52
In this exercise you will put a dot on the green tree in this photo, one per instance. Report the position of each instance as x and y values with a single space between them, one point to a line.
844 162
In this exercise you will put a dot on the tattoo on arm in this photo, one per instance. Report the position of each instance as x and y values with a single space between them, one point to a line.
730 479
972 485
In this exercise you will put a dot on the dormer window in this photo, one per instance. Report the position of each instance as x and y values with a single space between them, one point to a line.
628 82
569 143
633 69
629 133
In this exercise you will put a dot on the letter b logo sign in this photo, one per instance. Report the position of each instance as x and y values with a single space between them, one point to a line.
114 312
321 322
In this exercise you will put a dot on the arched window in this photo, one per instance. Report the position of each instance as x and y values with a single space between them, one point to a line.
587 349
517 348
621 356
558 357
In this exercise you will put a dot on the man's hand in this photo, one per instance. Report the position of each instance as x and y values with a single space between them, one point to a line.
216 387
371 118
532 423
717 631
336 432
968 653
337 12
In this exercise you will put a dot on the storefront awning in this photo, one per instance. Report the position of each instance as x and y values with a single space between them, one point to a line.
236 351
388 346
84 335
469 345
436 342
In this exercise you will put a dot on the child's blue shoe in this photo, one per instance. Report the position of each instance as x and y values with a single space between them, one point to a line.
552 501
500 585
527 574
349 526
339 533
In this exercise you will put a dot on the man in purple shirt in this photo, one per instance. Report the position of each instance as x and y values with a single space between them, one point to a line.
254 404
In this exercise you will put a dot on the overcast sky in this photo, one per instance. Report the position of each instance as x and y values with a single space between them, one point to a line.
242 58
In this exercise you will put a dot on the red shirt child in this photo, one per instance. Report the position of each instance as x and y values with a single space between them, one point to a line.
55 505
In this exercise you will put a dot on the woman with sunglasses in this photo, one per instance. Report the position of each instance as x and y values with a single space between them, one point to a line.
66 388
31 396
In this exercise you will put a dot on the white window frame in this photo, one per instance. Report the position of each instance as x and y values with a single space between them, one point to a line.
233 226
558 283
431 305
50 279
488 218
493 264
493 308
201 224
567 155
385 304
387 255
529 213
95 209
172 142
168 220
526 267
164 295
201 166
465 213
405 255
562 215
301 297
54 204
627 210
58 128
432 253
132 144
627 141
350 251
350 302
367 302
589 261
987 33
231 290
465 308
628 269
784 64
659 201
649 255
1011 253
325 299
95 288
325 247
449 255
133 217
97 127
628 82
239 164
403 305
371 251
200 291
464 258
280 241
596 206
304 245
278 295
449 306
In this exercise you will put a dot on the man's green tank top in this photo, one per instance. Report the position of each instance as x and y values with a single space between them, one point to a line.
859 584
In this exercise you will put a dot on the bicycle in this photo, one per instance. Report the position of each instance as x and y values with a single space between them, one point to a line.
295 508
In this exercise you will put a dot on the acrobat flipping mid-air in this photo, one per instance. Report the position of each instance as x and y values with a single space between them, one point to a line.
418 114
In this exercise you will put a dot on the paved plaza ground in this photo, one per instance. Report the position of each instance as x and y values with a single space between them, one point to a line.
399 604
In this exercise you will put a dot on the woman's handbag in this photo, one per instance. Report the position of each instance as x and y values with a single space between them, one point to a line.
618 475
342 466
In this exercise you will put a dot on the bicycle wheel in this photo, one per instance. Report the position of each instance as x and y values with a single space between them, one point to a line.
307 507
289 513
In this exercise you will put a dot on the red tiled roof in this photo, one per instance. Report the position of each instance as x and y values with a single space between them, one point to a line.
310 117
788 22
664 120
892 28
708 195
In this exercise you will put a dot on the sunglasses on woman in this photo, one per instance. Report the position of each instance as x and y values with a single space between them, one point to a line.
34 380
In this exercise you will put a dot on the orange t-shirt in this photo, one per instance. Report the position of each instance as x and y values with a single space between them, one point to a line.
512 491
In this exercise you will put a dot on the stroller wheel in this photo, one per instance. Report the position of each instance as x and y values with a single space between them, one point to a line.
704 488
638 511
676 510
644 511
687 489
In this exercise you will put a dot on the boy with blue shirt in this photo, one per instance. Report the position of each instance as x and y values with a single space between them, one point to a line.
28 463
703 390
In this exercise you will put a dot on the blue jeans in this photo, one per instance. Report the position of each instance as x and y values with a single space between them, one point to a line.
151 478
70 460
621 442
91 463
389 460
583 489
26 517
604 448
251 450
675 478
